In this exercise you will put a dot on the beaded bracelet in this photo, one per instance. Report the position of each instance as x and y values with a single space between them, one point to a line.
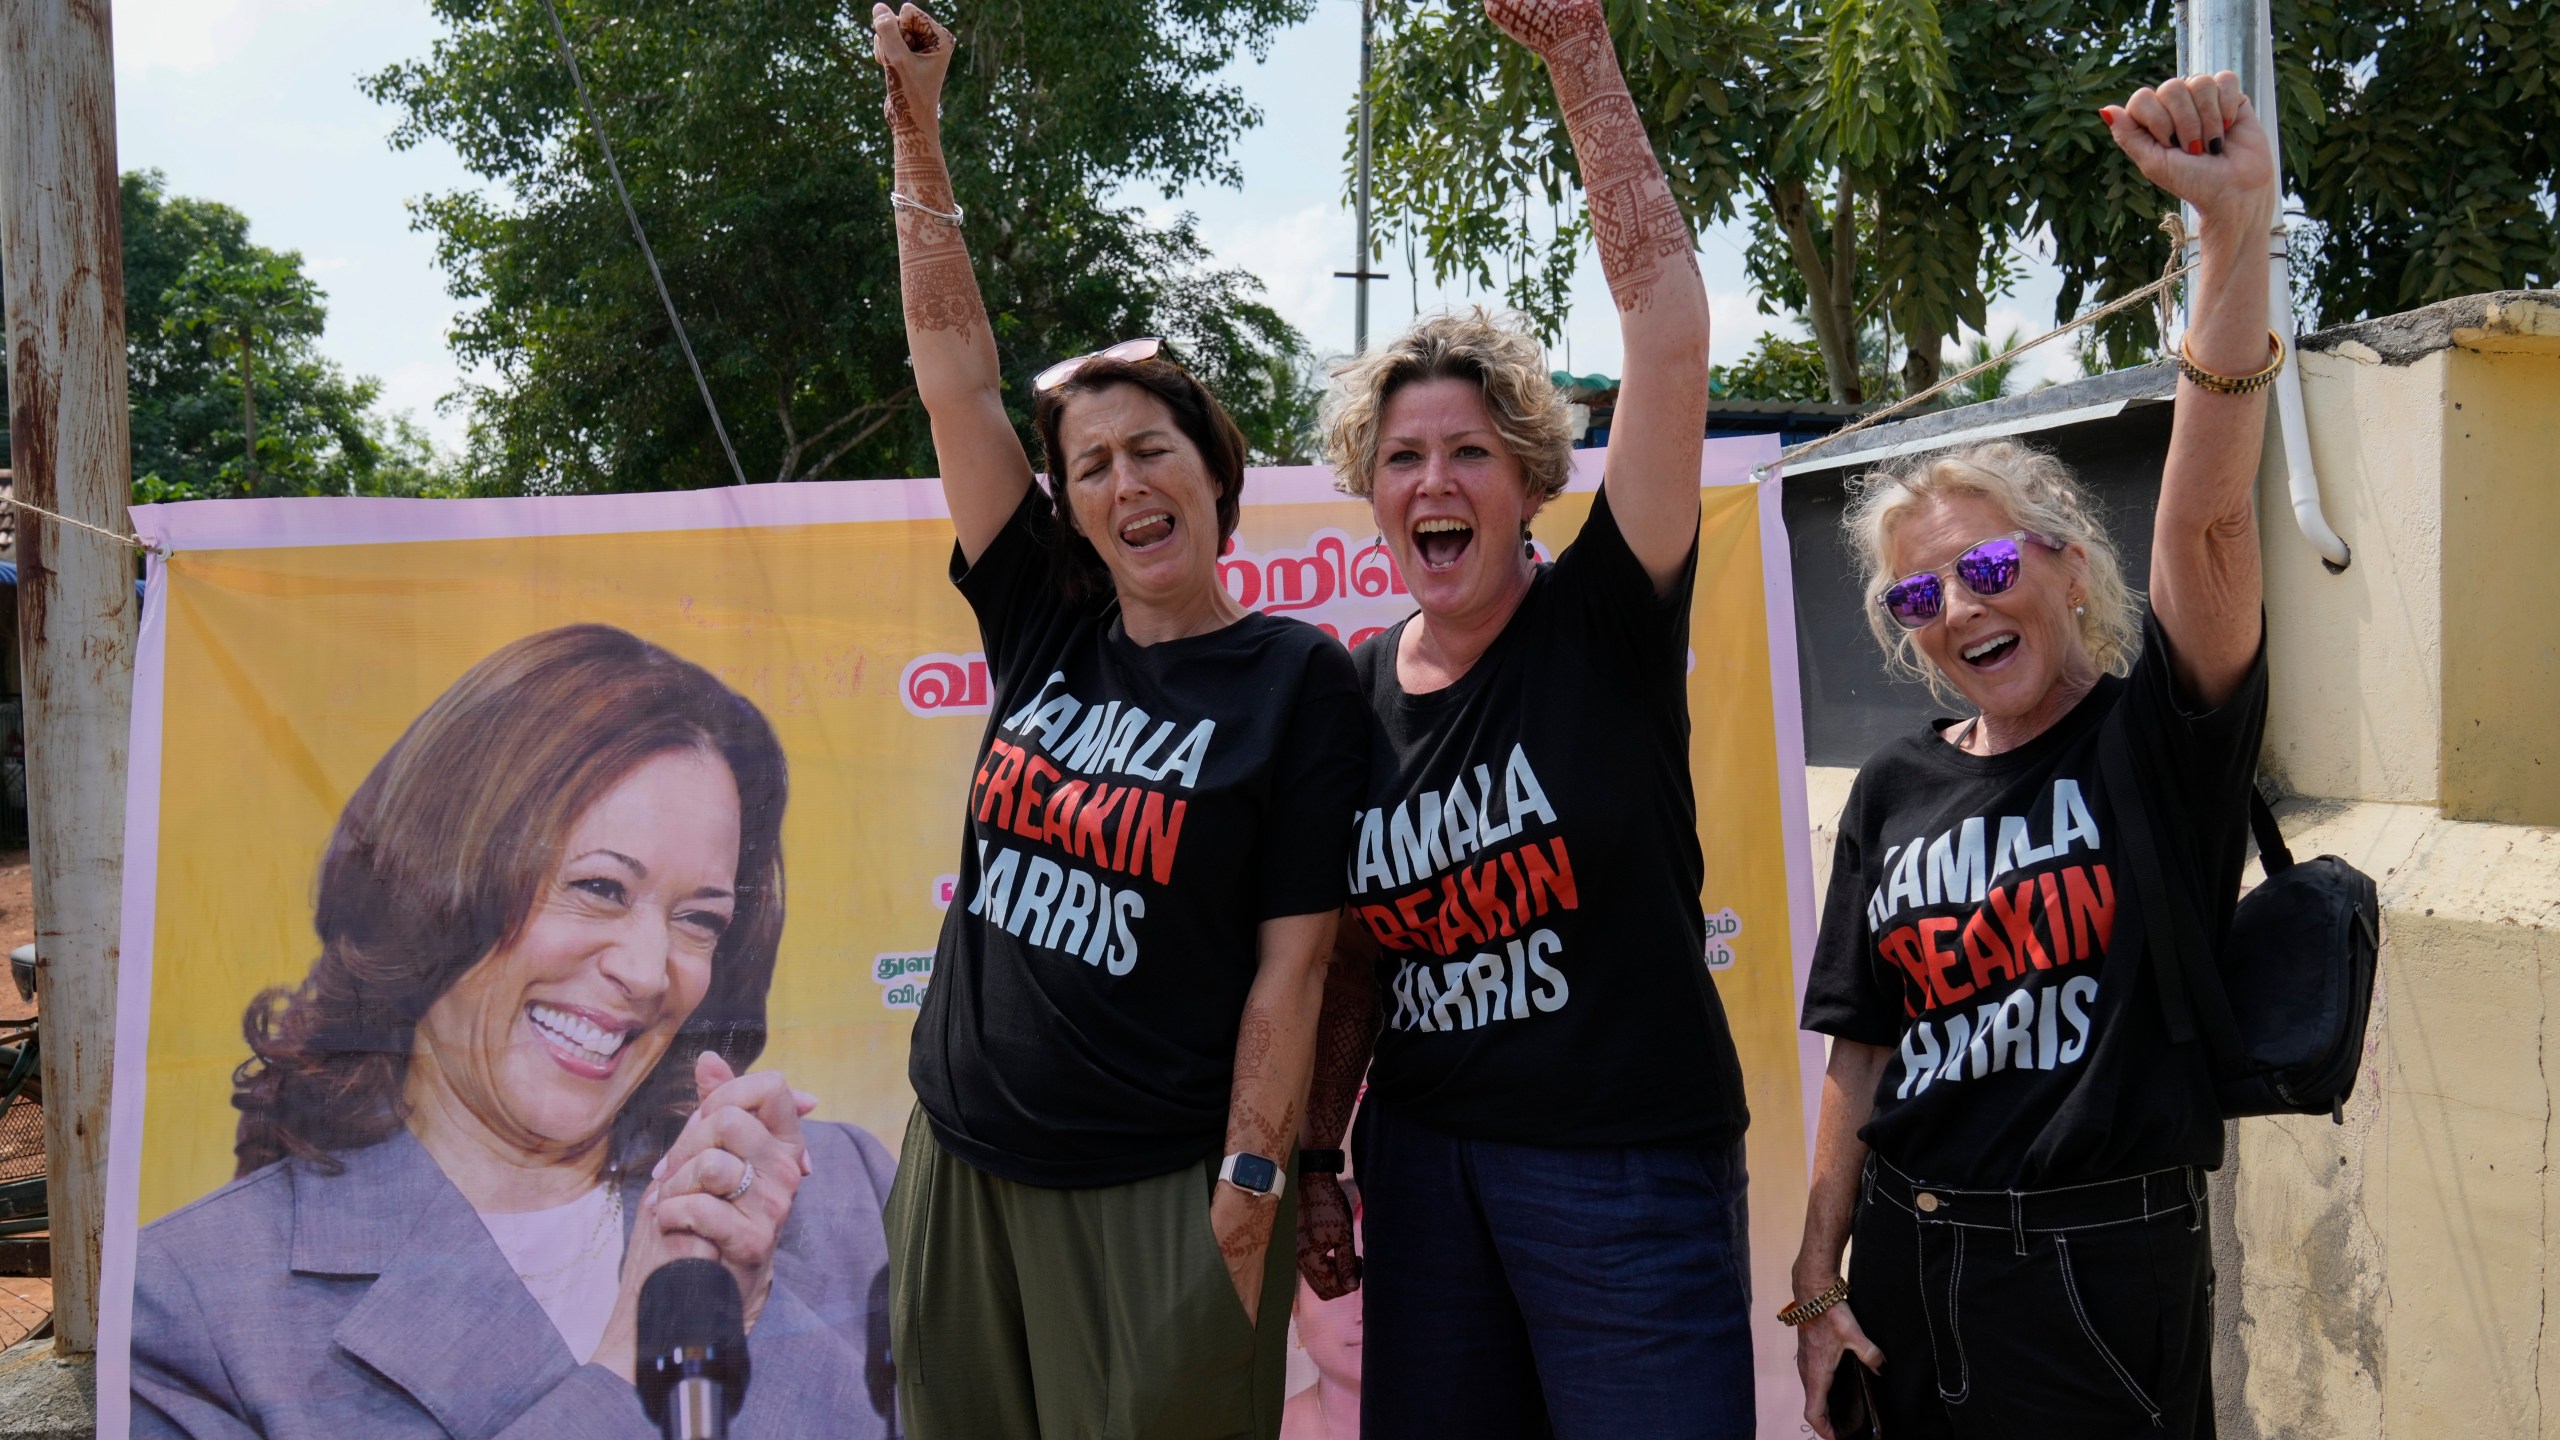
902 201
1803 1310
2234 384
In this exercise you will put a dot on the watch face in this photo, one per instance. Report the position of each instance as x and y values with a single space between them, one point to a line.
1253 1172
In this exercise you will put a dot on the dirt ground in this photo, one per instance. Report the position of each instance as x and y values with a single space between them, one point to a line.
24 1303
17 924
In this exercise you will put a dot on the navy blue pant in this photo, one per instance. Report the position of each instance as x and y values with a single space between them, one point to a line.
1597 1293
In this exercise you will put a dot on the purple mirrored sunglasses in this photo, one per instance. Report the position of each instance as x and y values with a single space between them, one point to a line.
1987 568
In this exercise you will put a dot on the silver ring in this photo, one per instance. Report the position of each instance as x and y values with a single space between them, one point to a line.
746 1182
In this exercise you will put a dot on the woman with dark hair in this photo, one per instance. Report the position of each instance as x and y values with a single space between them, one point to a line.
509 1090
1110 1065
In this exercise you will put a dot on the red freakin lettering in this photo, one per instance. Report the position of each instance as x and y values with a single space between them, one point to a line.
1155 832
2092 909
1940 959
1026 815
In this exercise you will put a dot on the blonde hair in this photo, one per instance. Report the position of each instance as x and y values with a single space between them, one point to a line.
2033 489
1508 365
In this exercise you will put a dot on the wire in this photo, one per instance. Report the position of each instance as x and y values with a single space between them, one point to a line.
2159 287
595 124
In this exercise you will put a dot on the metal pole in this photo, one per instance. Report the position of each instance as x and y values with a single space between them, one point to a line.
2239 36
1360 313
1360 274
61 244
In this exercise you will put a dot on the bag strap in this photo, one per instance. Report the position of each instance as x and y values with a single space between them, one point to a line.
2142 857
2192 999
2274 856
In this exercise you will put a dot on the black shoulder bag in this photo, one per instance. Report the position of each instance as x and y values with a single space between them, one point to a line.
2282 1015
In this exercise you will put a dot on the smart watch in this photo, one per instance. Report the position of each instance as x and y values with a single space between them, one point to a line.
1253 1174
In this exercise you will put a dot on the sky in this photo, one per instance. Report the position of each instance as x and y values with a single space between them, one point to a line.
255 103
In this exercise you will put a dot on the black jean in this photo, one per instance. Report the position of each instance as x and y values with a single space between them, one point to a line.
2084 1313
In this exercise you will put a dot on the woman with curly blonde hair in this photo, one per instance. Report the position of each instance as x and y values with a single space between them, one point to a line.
1550 1154
2006 1129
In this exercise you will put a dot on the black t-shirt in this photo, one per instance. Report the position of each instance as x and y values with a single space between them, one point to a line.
1137 812
1529 864
1981 924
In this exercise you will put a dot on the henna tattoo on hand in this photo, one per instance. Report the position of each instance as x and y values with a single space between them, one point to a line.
1541 25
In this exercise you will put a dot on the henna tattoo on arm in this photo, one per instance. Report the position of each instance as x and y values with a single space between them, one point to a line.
1635 219
1346 1033
1253 1122
935 278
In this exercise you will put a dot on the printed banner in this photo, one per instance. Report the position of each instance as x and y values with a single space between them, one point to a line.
289 646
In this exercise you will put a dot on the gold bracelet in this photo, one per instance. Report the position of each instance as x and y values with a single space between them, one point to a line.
1803 1310
2234 384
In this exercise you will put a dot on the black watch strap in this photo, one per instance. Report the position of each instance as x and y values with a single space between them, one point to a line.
1319 1162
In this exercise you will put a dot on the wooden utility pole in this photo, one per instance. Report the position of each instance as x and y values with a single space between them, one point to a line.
61 246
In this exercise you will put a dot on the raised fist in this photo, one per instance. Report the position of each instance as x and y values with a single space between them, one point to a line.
1542 25
2198 138
916 52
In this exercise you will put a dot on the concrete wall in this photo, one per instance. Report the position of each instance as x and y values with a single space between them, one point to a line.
2396 1274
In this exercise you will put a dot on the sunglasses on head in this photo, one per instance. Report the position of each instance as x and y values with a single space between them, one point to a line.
1987 568
1145 347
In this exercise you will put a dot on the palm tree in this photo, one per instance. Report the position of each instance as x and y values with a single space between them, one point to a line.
1993 383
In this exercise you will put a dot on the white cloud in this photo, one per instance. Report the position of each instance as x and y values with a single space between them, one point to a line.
1738 324
1294 255
189 37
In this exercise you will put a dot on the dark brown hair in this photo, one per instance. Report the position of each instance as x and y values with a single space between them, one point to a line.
442 853
1196 413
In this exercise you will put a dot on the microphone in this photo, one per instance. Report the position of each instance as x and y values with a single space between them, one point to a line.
692 1373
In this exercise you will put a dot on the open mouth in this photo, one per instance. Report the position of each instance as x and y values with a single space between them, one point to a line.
1441 542
581 1045
1147 531
1984 654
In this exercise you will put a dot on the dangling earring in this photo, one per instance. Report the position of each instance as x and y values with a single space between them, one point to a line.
1528 546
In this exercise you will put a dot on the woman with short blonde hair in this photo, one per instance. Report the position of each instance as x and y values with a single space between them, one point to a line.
1550 1155
2006 1128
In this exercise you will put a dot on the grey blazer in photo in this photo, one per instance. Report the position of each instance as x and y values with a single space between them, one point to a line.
372 1305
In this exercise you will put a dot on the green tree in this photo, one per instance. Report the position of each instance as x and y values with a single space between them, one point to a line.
245 311
1993 383
1775 368
752 137
1885 152
1892 155
221 341
2423 138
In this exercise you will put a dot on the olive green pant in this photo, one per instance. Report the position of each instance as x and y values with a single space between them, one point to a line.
1018 1311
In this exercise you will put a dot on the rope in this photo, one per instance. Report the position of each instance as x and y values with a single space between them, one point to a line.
61 519
2170 275
595 125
